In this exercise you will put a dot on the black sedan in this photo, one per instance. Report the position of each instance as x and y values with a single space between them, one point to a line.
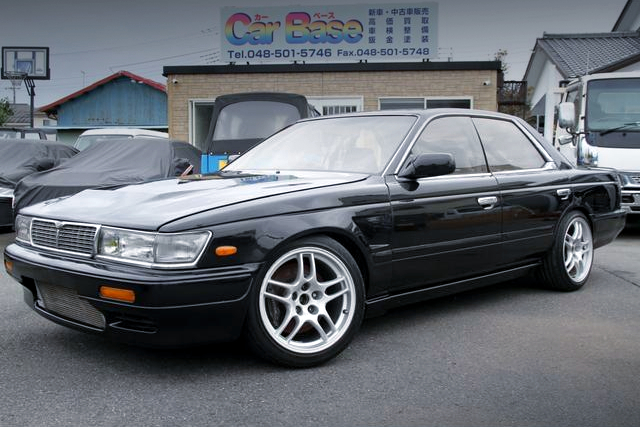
20 158
324 222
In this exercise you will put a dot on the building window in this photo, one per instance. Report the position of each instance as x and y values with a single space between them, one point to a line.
329 105
427 102
449 103
401 103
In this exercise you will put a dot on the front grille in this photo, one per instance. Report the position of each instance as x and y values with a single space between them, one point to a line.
70 237
65 302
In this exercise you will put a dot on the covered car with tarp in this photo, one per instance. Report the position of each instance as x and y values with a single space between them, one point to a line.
20 158
111 164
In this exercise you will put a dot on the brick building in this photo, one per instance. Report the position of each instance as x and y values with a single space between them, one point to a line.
331 88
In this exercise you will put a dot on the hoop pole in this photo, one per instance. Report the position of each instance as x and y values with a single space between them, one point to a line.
28 82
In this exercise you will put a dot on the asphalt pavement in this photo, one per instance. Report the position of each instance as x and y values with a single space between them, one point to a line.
505 355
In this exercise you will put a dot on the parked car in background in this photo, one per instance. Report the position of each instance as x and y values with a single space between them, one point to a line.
110 164
241 120
91 136
328 220
23 157
27 133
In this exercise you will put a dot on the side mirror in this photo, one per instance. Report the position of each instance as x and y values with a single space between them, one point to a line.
427 165
567 115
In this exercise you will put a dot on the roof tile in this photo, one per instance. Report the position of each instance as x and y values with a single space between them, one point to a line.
579 54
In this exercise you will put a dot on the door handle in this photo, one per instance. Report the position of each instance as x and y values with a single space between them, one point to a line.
487 202
563 193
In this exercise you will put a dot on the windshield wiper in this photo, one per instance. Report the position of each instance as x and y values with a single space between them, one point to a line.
621 127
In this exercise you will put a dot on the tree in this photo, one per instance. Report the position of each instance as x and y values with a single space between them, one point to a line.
5 111
512 95
500 55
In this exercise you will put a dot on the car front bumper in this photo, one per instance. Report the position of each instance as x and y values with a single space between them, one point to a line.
171 308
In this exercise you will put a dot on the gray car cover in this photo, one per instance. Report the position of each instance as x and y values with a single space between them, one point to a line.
22 157
112 163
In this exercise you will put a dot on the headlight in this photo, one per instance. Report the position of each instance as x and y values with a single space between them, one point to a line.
152 249
23 228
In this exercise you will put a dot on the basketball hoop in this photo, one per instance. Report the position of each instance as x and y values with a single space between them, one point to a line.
16 78
25 64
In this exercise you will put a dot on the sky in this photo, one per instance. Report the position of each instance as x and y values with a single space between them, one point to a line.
92 39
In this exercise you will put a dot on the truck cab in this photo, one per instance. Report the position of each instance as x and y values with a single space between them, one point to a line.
599 126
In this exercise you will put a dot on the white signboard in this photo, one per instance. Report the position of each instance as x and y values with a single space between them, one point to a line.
345 33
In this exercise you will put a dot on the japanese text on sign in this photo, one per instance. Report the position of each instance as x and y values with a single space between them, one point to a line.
330 33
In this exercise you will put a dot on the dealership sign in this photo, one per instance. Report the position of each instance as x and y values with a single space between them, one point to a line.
398 32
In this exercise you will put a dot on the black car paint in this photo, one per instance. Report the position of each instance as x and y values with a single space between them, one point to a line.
392 227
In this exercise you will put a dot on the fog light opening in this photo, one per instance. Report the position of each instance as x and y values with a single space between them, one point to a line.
118 294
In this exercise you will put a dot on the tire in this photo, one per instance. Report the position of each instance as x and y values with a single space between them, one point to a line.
567 266
301 317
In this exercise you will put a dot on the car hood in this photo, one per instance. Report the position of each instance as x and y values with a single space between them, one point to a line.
150 205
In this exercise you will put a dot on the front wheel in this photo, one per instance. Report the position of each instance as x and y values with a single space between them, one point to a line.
568 264
307 305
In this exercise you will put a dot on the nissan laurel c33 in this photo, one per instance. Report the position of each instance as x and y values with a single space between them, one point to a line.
329 220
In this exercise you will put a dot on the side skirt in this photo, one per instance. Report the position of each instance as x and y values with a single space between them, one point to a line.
380 305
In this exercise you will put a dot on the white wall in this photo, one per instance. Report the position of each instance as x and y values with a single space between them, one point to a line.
547 86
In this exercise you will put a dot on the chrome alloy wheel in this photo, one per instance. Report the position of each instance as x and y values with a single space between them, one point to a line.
578 249
307 300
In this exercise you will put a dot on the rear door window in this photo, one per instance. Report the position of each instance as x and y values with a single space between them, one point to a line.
506 146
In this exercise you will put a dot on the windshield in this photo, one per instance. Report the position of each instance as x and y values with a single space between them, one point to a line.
253 119
86 141
340 144
613 103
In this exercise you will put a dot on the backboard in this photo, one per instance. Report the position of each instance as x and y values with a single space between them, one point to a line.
34 61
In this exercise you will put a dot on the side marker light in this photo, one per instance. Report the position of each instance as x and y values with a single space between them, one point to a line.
8 265
126 295
226 250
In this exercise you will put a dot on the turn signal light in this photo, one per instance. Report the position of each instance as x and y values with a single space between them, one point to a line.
226 250
8 265
126 295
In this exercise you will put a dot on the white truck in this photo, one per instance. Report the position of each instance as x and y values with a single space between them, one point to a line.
599 126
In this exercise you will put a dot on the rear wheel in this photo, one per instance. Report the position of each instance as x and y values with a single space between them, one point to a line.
307 305
568 264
